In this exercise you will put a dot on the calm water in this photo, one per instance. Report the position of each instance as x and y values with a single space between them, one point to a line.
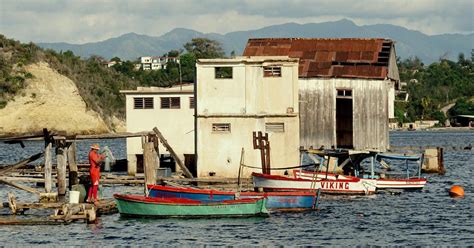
429 217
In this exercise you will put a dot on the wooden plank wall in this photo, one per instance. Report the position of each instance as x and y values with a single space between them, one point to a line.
370 112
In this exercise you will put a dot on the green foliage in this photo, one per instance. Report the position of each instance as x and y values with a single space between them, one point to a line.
462 107
434 86
203 48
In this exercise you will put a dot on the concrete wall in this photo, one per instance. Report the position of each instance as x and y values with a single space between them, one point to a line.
177 125
246 102
370 112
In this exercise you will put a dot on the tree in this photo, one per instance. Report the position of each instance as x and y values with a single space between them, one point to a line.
203 48
174 53
116 59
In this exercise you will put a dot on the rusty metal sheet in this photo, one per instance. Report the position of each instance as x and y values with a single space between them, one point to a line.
316 55
342 56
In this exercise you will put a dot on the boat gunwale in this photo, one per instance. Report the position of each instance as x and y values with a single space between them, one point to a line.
218 192
283 178
183 201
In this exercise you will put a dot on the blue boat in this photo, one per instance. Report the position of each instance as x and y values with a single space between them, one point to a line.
281 201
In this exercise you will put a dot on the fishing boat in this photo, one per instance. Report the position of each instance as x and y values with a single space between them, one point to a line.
276 201
353 186
143 206
407 180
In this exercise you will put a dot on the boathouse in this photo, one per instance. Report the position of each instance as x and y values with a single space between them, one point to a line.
236 97
346 88
171 110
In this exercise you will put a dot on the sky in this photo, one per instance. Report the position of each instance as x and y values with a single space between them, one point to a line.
82 21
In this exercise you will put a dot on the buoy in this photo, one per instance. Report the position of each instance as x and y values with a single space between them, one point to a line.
456 191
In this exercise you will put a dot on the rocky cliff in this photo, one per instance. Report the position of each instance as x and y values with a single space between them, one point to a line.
50 100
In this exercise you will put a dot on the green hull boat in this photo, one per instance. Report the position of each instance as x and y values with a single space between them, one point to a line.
141 206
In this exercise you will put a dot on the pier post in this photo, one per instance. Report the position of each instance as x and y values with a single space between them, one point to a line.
71 158
61 153
441 169
149 164
48 167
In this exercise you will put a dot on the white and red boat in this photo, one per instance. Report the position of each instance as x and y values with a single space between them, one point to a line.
380 183
354 186
403 182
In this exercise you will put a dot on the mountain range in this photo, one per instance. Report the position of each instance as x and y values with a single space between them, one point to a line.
409 43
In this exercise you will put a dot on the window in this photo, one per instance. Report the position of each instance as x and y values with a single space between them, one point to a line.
223 72
192 104
275 127
143 102
272 71
344 93
170 102
221 127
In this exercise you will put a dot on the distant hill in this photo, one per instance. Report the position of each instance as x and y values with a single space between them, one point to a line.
408 42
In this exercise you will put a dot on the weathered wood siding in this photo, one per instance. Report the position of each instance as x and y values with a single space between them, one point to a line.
318 112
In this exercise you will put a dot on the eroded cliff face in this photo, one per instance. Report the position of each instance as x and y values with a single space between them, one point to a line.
51 101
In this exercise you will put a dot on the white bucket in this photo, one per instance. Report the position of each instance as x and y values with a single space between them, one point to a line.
74 196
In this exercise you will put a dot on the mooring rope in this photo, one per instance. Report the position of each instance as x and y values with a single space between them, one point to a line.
285 168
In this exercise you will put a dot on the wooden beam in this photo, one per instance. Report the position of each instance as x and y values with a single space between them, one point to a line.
19 186
173 154
21 163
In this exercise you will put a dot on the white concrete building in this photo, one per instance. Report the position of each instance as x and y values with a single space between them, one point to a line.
236 97
169 109
156 62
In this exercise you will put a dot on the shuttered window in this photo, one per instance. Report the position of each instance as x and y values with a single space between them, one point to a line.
191 103
221 127
170 102
272 71
143 103
275 127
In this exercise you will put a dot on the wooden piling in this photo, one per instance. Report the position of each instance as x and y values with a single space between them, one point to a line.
71 159
48 167
149 163
441 169
61 153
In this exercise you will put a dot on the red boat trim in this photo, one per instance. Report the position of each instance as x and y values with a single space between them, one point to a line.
217 192
180 201
402 180
276 177
322 190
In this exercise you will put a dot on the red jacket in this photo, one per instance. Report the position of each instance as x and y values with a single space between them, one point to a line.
94 159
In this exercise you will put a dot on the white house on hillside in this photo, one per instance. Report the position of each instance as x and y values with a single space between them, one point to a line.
156 62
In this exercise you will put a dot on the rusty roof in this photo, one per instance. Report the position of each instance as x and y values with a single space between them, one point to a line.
344 57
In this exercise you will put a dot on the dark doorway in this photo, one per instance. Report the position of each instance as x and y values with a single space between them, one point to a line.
190 163
344 123
139 163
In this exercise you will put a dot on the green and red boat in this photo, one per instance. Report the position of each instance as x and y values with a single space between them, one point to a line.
142 206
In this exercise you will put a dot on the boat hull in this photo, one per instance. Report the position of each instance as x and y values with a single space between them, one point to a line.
353 186
280 201
380 183
141 206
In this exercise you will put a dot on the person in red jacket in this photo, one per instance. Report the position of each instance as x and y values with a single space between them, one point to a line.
94 159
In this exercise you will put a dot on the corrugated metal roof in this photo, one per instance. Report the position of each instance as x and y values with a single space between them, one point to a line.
345 57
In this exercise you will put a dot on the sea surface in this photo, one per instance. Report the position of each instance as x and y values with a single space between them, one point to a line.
429 217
